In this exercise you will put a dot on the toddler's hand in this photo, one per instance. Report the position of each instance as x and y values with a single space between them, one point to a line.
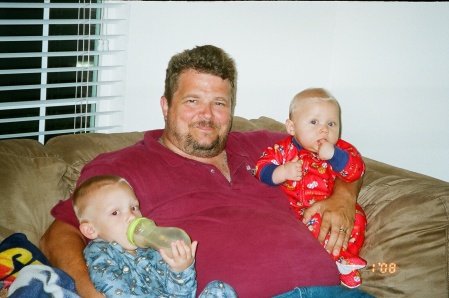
326 150
183 255
293 169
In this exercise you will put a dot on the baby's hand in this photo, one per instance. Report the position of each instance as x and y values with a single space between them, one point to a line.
326 150
293 169
183 255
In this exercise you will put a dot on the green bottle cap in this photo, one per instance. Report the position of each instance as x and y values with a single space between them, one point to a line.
132 227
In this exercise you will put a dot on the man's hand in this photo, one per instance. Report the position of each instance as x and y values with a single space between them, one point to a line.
338 215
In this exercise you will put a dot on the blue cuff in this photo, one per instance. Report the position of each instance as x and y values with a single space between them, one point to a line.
339 160
266 174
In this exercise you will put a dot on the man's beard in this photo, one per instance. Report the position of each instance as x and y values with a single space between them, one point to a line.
189 145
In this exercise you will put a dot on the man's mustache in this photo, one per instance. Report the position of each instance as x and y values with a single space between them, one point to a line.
204 124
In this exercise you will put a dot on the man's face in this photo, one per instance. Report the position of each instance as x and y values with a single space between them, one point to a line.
199 118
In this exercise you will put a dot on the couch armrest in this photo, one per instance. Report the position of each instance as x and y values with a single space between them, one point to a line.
406 244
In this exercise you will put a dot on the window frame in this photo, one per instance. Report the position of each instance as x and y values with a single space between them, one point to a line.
101 112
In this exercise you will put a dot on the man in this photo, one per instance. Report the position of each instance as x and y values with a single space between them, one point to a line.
196 175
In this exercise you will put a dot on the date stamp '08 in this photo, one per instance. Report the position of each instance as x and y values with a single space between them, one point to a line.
383 268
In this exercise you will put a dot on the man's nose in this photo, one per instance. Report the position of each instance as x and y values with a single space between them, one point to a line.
206 111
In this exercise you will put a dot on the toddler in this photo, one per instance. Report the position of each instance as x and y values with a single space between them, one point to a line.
105 205
306 164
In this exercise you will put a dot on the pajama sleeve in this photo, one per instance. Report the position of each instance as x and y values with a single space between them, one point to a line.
347 162
182 284
271 158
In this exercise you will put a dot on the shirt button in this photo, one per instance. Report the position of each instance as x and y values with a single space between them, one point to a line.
212 171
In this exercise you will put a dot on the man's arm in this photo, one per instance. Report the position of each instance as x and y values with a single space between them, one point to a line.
337 212
63 245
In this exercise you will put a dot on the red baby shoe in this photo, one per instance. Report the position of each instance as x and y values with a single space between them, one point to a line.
351 280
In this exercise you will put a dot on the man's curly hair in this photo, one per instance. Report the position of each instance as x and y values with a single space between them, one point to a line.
204 59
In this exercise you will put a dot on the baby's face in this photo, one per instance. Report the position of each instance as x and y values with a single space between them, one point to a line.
114 207
314 122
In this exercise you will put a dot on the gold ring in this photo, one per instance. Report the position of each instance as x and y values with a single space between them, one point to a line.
342 230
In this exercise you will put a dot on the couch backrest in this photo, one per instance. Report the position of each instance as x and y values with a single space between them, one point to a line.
31 182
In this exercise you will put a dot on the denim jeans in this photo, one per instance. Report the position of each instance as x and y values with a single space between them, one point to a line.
324 292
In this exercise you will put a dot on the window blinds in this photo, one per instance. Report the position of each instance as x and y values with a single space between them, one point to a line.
60 69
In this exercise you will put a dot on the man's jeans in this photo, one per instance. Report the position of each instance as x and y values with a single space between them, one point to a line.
324 292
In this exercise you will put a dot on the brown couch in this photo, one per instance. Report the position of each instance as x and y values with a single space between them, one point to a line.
406 242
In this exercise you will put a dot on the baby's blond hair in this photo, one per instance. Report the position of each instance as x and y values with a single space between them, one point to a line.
310 94
83 193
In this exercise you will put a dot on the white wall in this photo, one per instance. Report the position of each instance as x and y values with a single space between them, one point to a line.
386 62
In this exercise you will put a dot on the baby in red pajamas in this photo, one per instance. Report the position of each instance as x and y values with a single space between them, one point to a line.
306 164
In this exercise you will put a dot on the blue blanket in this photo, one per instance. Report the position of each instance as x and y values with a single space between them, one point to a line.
27 272
42 281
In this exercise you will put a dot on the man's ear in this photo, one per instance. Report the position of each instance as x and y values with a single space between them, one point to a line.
88 230
164 106
290 126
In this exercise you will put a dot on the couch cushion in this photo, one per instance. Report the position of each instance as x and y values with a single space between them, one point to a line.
77 150
242 124
32 182
407 234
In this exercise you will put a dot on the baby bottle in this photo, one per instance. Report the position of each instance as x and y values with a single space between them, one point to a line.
143 232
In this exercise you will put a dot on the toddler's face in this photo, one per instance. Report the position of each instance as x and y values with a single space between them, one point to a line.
314 122
112 211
